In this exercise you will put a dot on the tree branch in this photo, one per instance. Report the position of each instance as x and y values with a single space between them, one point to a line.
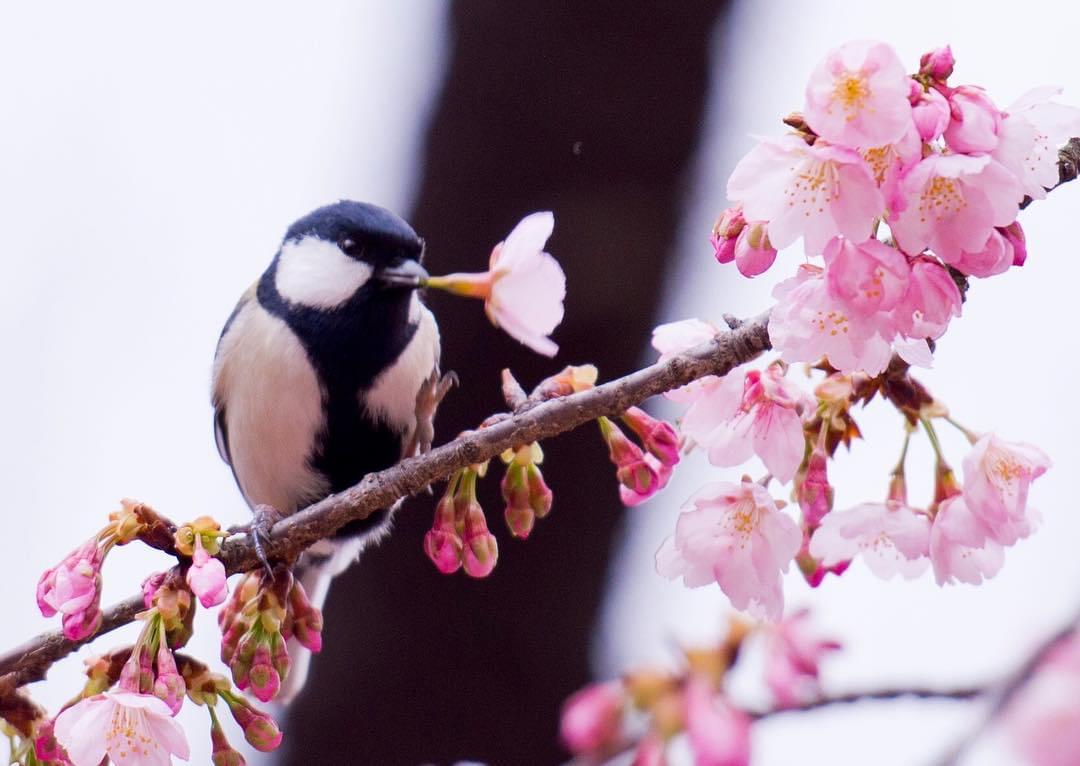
960 693
532 422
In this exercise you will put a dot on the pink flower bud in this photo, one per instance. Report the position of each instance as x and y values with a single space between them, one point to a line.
725 231
930 110
937 64
631 468
520 521
443 543
73 588
719 734
206 576
975 123
1014 233
519 514
307 619
540 495
82 625
658 436
813 490
263 677
46 748
259 729
169 686
481 550
592 718
754 254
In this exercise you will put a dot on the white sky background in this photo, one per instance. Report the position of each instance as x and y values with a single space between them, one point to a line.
1009 365
151 158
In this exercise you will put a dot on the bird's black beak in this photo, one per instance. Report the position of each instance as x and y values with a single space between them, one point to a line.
403 272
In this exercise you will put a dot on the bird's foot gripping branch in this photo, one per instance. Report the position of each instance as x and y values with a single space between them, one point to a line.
900 187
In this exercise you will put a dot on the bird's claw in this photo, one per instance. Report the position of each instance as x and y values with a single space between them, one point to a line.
265 516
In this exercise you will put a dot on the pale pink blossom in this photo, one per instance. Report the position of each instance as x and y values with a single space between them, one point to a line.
674 338
206 576
751 412
132 729
931 300
816 192
524 287
808 323
961 548
995 258
997 477
951 202
857 96
937 63
1031 132
930 110
591 718
719 733
888 161
867 277
975 123
734 535
891 537
793 655
725 232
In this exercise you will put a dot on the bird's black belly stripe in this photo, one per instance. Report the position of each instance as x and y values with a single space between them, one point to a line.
348 347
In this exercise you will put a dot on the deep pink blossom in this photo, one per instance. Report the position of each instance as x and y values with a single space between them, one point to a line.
73 588
725 232
816 192
793 655
754 254
591 718
960 545
1031 132
937 63
931 301
951 202
866 277
132 729
997 477
734 535
751 412
206 576
719 733
857 96
809 323
975 122
891 537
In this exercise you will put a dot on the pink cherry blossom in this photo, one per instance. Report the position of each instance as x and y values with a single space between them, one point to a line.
1043 719
997 476
73 588
808 323
816 192
754 254
937 63
931 300
866 278
793 656
751 412
1031 132
995 258
524 287
891 537
951 202
592 718
674 338
734 535
719 733
888 161
132 729
975 123
930 110
857 96
960 545
725 232
206 576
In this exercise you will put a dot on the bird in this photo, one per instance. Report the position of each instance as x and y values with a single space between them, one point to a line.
327 370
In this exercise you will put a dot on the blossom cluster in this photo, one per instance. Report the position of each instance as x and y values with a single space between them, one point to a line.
904 186
901 185
651 708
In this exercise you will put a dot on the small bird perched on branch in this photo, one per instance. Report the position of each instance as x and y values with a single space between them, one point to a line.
327 369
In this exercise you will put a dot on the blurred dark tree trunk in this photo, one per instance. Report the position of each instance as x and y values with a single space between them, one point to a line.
592 110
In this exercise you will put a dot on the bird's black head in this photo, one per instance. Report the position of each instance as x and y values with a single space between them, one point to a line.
331 253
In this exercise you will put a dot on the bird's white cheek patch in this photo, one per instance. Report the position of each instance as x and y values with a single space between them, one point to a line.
273 410
314 272
392 399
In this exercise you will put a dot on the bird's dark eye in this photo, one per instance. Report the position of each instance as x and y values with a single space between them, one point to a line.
350 247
